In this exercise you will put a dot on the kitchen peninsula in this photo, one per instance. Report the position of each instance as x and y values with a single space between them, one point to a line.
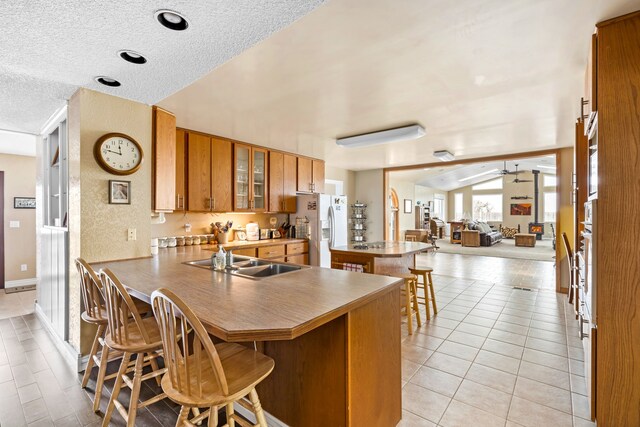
378 257
334 335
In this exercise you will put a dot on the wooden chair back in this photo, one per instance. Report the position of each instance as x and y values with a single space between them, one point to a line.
91 289
187 359
567 248
120 310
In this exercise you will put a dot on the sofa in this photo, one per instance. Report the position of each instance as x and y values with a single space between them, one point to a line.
488 236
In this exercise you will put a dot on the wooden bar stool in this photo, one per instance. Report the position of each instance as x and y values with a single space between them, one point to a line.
131 334
96 314
201 374
427 285
409 300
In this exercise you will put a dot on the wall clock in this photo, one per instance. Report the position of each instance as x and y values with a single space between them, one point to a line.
118 154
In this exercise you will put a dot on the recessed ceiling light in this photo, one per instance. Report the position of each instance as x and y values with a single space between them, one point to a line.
172 20
131 56
107 81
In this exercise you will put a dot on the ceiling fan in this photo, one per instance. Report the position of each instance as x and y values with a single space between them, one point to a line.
518 181
506 171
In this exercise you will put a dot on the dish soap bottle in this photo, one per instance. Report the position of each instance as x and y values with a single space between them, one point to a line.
220 261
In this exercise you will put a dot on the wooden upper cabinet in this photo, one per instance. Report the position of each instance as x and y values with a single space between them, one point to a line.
310 175
318 176
199 173
181 163
164 160
250 178
290 183
221 175
305 175
282 182
276 181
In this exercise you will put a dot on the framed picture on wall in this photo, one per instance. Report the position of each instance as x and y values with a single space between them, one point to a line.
521 209
24 202
408 205
119 192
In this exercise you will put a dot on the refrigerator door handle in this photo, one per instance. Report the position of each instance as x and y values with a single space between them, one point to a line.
332 227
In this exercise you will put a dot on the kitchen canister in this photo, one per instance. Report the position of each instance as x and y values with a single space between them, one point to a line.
211 239
188 240
180 241
162 242
171 242
195 240
203 239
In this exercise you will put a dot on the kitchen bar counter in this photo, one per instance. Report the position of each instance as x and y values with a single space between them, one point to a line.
335 335
391 258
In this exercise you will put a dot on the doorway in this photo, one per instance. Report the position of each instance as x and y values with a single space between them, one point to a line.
394 218
2 230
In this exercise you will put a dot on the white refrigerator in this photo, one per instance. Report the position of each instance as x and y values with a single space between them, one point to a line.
327 227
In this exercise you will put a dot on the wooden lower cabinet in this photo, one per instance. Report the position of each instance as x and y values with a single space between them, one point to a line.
302 259
252 252
295 253
269 252
344 373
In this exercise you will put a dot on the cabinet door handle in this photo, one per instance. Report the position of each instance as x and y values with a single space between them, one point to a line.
210 208
214 203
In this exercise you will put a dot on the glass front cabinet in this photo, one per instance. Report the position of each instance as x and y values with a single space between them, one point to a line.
250 178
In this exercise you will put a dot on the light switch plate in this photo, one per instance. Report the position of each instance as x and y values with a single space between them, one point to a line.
131 234
23 267
14 224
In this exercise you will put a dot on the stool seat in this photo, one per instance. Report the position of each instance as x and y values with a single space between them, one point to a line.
404 276
421 270
427 285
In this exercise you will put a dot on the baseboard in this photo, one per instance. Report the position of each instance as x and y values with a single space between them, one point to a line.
22 283
68 353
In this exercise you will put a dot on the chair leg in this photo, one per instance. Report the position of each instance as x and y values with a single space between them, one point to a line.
415 302
433 295
116 389
213 416
230 411
92 353
196 412
407 304
425 286
183 417
154 366
257 408
135 391
102 372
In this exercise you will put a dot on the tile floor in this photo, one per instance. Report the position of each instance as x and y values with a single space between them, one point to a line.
16 304
492 356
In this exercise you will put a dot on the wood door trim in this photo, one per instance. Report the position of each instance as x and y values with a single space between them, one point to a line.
476 160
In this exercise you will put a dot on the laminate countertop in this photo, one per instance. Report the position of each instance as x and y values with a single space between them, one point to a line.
234 308
389 249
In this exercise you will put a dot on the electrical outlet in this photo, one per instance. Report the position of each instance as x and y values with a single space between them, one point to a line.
14 224
23 267
187 228
131 234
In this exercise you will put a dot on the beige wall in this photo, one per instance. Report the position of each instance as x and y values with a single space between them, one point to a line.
98 230
19 243
369 190
348 179
408 190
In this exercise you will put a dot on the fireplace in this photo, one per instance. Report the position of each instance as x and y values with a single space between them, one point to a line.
536 227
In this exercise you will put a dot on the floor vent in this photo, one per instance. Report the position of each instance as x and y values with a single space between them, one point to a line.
15 289
522 289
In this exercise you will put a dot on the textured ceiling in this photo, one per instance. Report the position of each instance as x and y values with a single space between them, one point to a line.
50 48
482 76
447 178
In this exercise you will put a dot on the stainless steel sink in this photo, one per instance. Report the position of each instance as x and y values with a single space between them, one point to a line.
251 268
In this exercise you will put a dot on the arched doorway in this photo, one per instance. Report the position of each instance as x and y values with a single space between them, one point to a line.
394 217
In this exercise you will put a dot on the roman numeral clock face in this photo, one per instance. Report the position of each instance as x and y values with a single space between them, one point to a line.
118 154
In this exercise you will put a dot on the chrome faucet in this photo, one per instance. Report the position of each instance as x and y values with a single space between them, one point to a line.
229 260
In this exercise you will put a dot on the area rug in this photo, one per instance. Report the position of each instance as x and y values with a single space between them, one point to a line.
543 251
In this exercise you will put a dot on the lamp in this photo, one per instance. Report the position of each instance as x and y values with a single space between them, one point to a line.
382 137
444 155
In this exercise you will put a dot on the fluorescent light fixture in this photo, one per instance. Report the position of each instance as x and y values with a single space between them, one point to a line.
478 175
383 137
444 155
546 167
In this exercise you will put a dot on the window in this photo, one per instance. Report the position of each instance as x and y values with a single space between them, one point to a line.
457 206
549 181
550 207
487 207
438 206
494 184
